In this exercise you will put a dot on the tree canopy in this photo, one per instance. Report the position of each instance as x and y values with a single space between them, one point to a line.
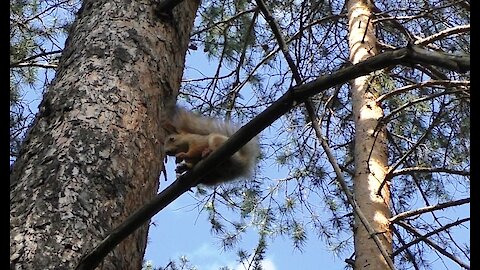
426 107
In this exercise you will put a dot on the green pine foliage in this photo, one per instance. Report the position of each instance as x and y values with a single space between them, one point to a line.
426 115
37 32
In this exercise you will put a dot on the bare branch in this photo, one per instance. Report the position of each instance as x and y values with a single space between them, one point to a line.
425 239
40 65
224 21
428 170
450 31
234 93
406 88
28 59
422 210
410 256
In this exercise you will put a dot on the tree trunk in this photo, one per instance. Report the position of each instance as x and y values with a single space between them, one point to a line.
370 147
94 153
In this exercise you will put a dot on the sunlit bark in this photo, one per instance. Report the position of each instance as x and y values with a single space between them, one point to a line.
370 147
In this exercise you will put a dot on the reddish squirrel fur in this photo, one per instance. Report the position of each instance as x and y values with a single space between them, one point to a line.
193 137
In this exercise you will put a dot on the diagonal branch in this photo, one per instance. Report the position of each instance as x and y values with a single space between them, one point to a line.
293 97
445 83
459 63
40 65
225 21
234 93
425 238
410 151
418 100
410 256
422 210
450 31
29 59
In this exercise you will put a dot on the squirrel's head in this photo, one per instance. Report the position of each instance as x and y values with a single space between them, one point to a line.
170 145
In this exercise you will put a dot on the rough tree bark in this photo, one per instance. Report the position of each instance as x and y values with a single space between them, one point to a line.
370 150
94 153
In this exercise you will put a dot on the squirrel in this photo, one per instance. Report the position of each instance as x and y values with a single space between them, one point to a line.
193 137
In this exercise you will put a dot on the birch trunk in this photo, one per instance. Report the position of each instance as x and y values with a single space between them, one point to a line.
94 153
370 148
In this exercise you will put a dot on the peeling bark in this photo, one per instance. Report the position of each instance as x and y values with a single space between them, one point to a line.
94 152
370 153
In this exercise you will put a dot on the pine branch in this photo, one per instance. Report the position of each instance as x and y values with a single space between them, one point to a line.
410 151
445 83
410 256
234 93
425 238
314 120
450 31
428 170
422 210
234 17
29 59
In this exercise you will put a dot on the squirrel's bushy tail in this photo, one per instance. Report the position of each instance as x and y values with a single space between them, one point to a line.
190 122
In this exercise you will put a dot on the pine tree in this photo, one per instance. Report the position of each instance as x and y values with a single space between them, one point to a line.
413 151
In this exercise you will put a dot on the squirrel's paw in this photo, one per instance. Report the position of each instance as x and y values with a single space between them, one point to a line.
183 167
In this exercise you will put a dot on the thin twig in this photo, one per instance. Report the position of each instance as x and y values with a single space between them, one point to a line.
410 256
28 59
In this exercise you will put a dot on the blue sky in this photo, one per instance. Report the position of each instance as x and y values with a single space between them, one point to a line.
181 230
